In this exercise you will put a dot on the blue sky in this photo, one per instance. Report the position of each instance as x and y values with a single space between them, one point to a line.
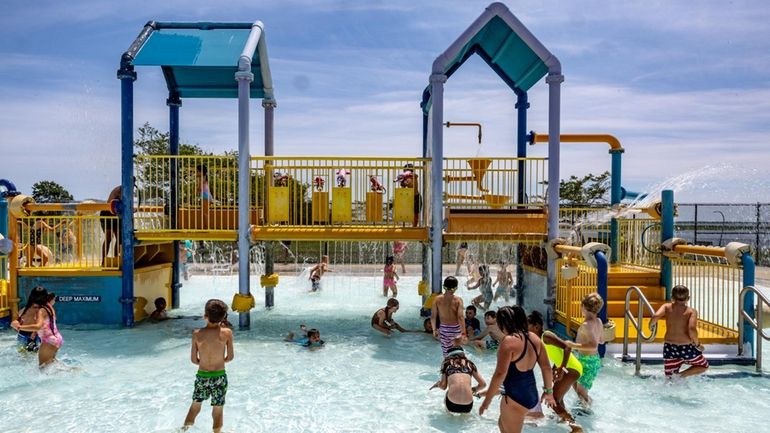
684 85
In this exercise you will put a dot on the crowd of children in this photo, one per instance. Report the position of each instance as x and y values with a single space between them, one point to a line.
520 341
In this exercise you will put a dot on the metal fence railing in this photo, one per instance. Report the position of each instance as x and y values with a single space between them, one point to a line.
493 182
569 292
69 242
721 223
714 286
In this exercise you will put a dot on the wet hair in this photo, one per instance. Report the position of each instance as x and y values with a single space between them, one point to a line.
512 320
450 283
484 270
457 361
313 333
490 313
162 300
203 170
216 311
51 297
471 308
392 302
38 296
389 260
535 318
592 302
680 293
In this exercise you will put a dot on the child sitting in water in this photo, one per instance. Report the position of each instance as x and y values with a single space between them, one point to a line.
586 344
681 344
491 336
472 324
160 310
382 320
212 347
389 277
317 271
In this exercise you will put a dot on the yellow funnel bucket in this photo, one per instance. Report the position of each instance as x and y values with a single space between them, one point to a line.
479 168
496 201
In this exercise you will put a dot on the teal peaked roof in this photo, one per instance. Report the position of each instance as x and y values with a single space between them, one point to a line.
508 47
199 60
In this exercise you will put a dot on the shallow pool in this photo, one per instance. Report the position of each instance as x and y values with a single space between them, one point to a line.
140 380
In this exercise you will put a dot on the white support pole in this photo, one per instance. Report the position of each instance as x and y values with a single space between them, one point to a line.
244 92
554 81
437 164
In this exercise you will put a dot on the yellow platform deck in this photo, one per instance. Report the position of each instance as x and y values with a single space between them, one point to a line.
707 333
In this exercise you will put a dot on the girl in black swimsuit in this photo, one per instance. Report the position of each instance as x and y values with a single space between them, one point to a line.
519 351
456 373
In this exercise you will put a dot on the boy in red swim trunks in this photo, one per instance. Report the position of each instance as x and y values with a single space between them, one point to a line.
681 345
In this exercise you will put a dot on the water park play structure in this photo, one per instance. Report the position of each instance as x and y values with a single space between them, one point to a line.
106 260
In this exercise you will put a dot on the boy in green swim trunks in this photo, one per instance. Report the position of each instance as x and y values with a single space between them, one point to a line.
586 344
212 347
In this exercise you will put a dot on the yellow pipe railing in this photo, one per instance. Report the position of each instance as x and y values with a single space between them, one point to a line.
570 292
714 287
68 242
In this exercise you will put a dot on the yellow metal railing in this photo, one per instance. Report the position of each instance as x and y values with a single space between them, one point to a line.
570 292
5 308
639 242
68 242
206 193
581 225
493 182
714 285
339 191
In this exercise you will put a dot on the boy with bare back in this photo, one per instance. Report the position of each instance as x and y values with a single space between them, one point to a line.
317 272
681 344
452 315
212 347
589 335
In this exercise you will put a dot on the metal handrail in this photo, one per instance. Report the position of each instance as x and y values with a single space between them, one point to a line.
643 302
755 323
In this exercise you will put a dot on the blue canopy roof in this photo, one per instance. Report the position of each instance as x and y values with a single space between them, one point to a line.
199 60
499 38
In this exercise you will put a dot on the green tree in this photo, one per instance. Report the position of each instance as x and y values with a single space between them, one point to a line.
590 189
48 191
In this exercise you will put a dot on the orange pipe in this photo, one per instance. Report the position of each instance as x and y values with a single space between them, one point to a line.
700 249
583 138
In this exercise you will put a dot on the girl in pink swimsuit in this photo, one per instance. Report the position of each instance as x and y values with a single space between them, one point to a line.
50 338
389 277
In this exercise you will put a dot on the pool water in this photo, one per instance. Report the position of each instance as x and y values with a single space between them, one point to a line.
140 379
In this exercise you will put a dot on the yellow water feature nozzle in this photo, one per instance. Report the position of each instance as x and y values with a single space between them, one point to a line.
422 288
243 303
428 304
18 205
268 280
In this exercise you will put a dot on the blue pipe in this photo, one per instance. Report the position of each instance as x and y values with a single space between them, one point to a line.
748 301
126 75
522 104
602 269
615 197
666 233
174 103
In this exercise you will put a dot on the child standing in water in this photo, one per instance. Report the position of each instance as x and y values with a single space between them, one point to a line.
399 251
681 344
28 341
450 308
484 284
45 326
389 277
202 172
504 282
317 272
212 347
586 344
